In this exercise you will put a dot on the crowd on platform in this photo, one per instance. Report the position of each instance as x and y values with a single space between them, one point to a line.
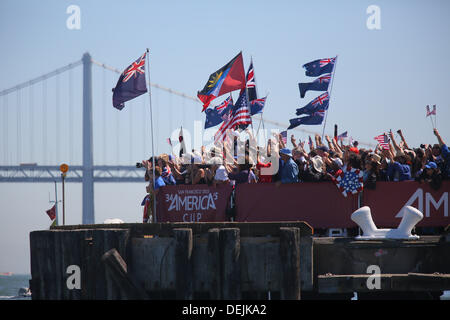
225 164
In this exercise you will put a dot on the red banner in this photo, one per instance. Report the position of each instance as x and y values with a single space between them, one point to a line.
387 200
319 204
192 203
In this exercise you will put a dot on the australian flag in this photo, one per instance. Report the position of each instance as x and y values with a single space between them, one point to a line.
315 118
318 67
217 115
257 105
131 83
320 84
319 103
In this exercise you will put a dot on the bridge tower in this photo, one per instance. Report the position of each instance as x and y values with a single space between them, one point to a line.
88 156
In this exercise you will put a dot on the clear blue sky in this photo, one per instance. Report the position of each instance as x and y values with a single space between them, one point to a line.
384 79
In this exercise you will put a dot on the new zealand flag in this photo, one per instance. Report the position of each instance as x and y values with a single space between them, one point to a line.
319 103
257 105
318 67
131 83
315 118
217 115
320 84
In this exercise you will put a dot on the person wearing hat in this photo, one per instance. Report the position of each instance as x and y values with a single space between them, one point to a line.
370 173
431 174
398 169
314 172
289 170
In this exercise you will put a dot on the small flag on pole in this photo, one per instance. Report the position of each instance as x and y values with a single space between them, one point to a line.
52 212
310 142
429 113
342 136
383 140
169 141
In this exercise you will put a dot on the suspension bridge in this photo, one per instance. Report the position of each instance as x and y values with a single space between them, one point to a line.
42 120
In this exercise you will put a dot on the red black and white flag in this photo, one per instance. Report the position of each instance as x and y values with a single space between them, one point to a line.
52 212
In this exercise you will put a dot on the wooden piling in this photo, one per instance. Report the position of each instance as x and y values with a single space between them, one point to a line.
230 249
214 267
53 251
183 264
290 263
116 267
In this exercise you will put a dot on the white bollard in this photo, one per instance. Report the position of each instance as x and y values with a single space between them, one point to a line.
363 218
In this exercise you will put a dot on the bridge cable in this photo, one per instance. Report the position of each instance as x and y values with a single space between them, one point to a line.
31 126
71 147
6 129
104 158
44 121
19 127
57 119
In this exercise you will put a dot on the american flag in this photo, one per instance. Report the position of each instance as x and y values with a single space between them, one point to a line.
224 104
239 115
383 140
432 111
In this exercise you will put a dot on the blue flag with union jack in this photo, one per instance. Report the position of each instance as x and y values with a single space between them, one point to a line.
320 84
319 103
251 83
318 67
131 83
257 105
315 118
217 115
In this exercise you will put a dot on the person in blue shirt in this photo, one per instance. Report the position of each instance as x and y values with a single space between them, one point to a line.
159 181
289 170
399 170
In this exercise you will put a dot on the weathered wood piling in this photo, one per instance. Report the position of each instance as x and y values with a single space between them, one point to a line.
227 261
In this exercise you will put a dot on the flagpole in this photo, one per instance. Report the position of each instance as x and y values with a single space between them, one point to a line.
56 203
429 113
329 96
435 112
153 145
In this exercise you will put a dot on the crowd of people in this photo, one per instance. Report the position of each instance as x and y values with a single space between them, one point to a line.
237 161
